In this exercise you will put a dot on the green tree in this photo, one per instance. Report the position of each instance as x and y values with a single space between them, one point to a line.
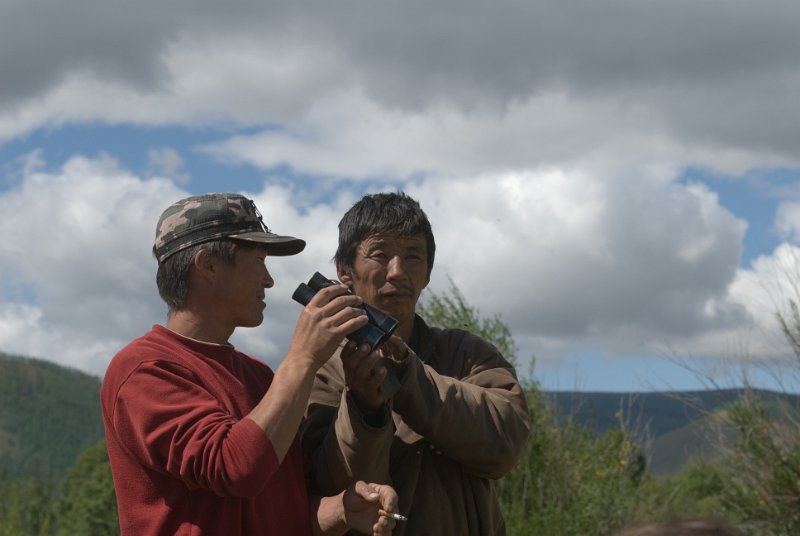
27 510
88 504
451 310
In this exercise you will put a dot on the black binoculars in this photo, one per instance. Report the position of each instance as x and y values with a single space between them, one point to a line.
377 330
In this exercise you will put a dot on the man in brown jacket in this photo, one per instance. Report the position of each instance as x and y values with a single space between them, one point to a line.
437 413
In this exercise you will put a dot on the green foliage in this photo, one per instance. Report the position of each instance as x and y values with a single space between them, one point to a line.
696 490
570 481
25 508
451 310
88 505
764 467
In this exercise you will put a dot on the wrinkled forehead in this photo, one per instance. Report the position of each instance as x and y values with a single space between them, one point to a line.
395 241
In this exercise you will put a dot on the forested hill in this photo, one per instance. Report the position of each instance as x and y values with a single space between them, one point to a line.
48 415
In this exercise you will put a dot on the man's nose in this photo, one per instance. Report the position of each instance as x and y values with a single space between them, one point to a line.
268 281
396 268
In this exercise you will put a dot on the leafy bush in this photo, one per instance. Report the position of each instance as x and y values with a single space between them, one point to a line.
568 481
763 465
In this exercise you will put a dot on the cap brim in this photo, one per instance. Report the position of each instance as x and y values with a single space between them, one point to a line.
277 245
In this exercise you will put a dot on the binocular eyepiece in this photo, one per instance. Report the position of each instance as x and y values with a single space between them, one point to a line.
377 330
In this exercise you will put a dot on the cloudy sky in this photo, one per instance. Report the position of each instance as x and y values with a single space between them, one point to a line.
619 180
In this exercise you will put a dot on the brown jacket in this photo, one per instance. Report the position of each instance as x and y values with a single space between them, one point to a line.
459 420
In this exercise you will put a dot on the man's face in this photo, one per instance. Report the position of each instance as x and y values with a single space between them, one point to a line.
241 287
390 273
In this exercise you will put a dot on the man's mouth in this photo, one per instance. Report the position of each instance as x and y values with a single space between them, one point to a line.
395 294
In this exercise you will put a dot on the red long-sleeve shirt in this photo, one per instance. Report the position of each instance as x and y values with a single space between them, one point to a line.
184 459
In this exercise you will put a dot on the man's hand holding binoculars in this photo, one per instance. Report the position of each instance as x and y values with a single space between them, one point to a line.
369 353
373 376
327 319
364 374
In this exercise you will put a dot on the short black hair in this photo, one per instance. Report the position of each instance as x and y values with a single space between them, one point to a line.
382 213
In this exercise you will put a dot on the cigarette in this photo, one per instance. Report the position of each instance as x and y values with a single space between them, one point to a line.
396 517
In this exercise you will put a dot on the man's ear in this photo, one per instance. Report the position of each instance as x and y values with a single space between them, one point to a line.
204 264
344 276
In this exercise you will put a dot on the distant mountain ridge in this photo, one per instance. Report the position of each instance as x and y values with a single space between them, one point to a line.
49 414
670 426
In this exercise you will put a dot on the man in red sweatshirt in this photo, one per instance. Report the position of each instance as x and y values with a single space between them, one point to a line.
202 438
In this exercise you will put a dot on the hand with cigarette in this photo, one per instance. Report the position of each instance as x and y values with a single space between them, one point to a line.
370 508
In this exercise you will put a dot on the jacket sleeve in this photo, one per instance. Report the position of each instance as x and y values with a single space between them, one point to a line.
341 445
478 416
172 425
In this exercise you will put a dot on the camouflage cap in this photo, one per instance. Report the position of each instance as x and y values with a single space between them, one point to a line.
202 218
